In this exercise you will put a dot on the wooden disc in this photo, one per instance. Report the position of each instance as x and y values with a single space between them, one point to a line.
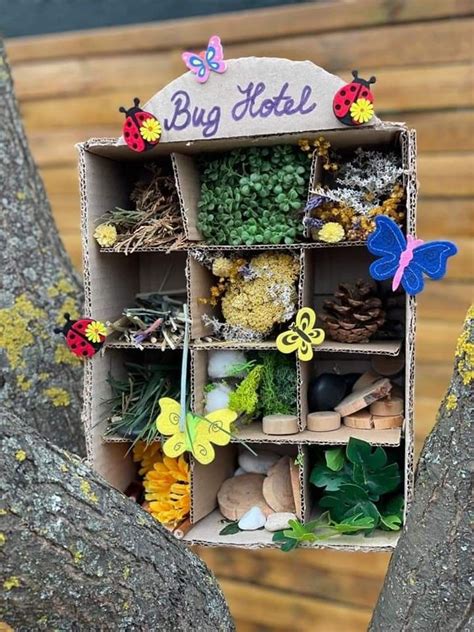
361 419
280 424
361 399
385 423
277 489
387 406
239 494
388 365
295 487
366 379
323 421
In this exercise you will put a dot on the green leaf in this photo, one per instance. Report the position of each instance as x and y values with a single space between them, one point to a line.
334 459
354 524
349 501
322 476
370 469
391 522
231 528
392 513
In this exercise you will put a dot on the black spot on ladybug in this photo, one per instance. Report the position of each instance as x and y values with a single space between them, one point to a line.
353 88
79 325
364 93
343 92
128 123
134 145
83 344
338 107
347 101
135 136
127 134
84 353
73 346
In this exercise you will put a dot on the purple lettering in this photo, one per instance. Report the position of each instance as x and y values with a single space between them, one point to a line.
184 115
181 115
280 105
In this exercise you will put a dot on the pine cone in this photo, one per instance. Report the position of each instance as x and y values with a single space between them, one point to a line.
355 315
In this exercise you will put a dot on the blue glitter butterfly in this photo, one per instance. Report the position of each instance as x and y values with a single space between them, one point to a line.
406 259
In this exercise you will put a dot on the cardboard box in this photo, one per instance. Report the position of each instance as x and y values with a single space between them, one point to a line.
108 170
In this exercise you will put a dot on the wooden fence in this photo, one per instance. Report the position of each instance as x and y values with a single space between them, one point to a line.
70 86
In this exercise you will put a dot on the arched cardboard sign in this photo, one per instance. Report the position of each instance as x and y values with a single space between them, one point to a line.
255 96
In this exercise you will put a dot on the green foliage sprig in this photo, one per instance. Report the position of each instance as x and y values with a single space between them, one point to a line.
253 195
278 384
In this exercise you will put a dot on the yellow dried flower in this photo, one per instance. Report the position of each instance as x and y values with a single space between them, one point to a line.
147 454
266 299
167 490
332 232
105 235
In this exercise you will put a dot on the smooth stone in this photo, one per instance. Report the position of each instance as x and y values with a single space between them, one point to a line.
278 521
259 464
326 391
239 471
252 520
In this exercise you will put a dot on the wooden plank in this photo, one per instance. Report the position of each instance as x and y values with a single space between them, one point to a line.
317 17
430 43
436 341
264 568
451 130
446 175
283 610
399 89
443 41
447 218
445 301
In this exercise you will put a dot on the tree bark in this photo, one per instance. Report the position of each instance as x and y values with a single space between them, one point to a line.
78 555
427 587
40 380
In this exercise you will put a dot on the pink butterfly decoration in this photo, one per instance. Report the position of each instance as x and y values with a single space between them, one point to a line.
211 59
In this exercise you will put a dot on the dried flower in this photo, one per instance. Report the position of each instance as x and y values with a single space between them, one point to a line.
146 454
150 130
167 490
362 111
332 232
106 235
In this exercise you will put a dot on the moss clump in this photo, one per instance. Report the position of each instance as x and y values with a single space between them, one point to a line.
278 384
252 196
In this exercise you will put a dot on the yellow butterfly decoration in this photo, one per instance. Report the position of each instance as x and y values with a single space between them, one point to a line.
199 432
302 335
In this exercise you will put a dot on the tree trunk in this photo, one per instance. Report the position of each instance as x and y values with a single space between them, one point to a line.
78 555
427 586
40 379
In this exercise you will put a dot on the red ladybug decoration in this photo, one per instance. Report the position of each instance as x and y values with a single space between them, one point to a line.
353 103
84 337
141 130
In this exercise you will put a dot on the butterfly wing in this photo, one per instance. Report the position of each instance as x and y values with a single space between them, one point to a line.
288 341
167 421
215 55
388 243
175 445
305 319
197 65
201 447
218 430
305 351
430 258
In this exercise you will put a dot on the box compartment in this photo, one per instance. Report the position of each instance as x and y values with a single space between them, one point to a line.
200 281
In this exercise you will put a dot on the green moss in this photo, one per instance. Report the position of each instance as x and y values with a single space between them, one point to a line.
278 384
244 400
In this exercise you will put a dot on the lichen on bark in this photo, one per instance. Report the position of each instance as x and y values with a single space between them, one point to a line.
428 583
76 554
37 382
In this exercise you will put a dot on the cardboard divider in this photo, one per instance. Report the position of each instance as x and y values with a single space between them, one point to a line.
189 190
207 479
304 472
200 280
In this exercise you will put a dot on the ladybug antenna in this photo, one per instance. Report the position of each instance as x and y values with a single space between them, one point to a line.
136 101
372 79
122 109
355 74
63 330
